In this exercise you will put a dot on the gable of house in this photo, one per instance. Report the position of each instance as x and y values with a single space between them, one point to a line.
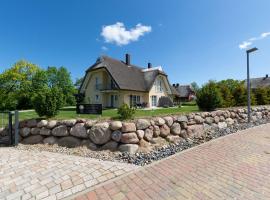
126 77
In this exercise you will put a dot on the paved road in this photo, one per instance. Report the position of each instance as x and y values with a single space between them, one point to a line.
45 175
232 167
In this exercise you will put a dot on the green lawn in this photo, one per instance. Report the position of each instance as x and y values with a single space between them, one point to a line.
69 113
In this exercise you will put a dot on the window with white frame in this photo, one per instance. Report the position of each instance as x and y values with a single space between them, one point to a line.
158 85
154 101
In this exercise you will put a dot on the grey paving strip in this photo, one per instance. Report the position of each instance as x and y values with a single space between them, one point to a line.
45 175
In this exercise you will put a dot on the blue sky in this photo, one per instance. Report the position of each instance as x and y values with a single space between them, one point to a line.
191 40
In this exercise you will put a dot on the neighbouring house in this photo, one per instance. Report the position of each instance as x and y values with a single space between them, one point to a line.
186 92
259 82
112 82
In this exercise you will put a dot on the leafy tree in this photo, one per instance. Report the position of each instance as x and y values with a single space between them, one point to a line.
60 77
78 82
209 97
16 83
226 88
195 86
262 96
48 101
240 95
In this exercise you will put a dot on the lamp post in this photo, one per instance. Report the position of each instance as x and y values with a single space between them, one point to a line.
248 82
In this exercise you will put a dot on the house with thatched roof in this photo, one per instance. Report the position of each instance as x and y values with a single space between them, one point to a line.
112 82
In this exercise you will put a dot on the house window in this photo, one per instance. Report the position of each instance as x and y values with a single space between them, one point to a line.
158 85
97 98
134 100
97 83
154 101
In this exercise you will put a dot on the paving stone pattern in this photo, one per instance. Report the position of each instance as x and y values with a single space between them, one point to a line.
45 175
232 167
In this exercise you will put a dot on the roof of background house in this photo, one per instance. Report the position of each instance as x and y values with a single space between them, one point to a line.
184 90
128 77
259 82
174 91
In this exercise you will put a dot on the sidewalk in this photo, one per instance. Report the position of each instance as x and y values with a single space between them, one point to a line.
232 167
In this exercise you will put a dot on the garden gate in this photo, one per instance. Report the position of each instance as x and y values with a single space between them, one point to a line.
9 128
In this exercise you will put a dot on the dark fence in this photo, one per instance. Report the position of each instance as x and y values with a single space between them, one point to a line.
9 128
89 109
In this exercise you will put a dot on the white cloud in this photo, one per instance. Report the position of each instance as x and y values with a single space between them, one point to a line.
250 41
245 45
118 34
104 48
264 35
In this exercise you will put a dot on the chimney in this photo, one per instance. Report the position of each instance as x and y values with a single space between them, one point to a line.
127 59
177 85
173 85
266 76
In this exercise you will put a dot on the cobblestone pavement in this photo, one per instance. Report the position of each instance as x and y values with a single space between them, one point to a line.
44 175
232 167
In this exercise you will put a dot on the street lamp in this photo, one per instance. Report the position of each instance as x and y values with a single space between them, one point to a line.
248 81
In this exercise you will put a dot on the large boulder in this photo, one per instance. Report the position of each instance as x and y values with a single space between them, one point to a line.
130 148
229 121
156 131
129 138
174 139
198 119
60 131
140 134
222 125
128 127
24 132
31 123
164 130
111 145
45 131
50 140
90 145
100 133
69 122
33 139
69 142
209 120
79 131
115 125
142 124
159 121
175 129
89 123
182 119
168 120
51 124
35 131
42 123
184 134
116 135
148 134
196 130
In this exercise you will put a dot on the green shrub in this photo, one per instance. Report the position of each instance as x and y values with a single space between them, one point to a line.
126 112
262 96
209 97
48 101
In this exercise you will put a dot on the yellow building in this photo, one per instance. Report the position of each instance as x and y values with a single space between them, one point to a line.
112 82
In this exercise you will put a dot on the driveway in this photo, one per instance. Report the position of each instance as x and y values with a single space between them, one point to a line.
45 175
232 167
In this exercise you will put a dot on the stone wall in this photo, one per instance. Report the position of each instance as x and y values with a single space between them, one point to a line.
133 135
